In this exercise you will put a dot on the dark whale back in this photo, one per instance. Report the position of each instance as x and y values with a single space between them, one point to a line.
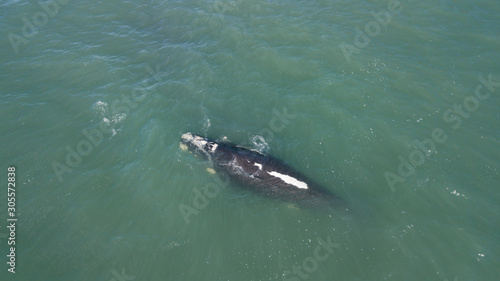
269 176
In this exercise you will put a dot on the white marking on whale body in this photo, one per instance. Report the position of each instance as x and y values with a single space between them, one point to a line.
289 180
214 147
258 165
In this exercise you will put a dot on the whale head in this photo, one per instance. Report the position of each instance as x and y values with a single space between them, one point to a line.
197 144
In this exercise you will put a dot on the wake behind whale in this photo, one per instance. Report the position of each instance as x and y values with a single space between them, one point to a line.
261 173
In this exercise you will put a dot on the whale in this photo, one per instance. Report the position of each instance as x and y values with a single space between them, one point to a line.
263 174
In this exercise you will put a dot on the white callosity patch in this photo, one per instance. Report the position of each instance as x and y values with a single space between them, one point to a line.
196 140
214 147
289 180
258 165
199 142
187 137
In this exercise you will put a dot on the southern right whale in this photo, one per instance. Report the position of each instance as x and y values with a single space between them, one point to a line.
261 173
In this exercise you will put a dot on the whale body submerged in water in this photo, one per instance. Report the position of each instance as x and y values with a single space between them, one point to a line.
263 174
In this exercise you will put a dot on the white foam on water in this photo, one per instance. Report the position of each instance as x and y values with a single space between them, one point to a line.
101 106
260 143
119 117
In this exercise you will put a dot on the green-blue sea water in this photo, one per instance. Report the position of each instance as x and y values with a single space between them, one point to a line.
392 106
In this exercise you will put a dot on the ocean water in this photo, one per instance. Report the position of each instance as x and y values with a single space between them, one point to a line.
391 105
